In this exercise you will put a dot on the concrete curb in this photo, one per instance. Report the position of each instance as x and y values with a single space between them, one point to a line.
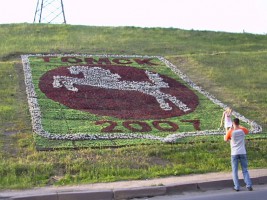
138 192
99 195
38 197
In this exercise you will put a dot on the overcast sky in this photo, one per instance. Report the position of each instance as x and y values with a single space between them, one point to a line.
216 15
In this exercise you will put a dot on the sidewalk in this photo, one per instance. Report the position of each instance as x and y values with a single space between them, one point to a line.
134 189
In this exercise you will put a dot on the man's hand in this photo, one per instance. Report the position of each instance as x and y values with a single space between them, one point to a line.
225 139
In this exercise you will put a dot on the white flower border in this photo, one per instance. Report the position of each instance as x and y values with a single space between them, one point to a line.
36 112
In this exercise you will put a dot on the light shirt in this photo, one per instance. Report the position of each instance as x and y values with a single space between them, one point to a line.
237 140
227 120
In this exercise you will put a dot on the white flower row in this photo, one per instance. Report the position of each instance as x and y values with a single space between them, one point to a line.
37 117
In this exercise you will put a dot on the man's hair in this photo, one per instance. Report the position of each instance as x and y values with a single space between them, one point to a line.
236 121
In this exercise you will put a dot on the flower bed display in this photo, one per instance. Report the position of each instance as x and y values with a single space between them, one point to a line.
112 100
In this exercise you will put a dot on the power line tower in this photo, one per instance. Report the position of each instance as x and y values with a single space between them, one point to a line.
50 11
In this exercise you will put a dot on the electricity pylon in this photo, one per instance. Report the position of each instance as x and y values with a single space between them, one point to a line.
50 11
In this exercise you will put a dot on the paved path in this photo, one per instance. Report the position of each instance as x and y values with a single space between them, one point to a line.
259 193
131 189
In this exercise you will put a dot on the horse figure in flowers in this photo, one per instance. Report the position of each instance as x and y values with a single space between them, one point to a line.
104 78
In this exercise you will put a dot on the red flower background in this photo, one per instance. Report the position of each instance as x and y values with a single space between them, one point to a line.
118 103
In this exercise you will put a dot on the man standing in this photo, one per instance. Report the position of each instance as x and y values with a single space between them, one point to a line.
238 153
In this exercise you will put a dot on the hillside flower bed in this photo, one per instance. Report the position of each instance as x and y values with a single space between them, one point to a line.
112 100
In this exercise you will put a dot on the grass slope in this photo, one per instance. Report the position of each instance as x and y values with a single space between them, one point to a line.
230 66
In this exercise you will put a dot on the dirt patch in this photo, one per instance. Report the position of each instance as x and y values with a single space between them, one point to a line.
11 56
159 161
9 145
9 130
22 88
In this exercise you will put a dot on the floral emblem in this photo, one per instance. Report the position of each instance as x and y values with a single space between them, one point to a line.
115 97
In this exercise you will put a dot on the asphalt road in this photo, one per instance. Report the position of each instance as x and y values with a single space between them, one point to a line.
259 193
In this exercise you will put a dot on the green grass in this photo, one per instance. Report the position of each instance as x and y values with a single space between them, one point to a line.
36 38
64 167
230 66
237 79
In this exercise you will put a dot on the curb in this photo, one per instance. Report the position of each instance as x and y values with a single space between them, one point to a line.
139 192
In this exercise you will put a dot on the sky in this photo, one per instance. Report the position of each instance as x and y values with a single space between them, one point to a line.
235 16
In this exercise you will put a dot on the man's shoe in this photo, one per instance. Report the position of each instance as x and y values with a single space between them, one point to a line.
249 188
237 190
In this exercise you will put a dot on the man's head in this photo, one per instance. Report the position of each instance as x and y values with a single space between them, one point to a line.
236 121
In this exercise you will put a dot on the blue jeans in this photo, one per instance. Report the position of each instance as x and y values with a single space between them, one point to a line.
244 165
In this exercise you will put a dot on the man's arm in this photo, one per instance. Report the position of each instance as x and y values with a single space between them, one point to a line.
228 135
246 131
